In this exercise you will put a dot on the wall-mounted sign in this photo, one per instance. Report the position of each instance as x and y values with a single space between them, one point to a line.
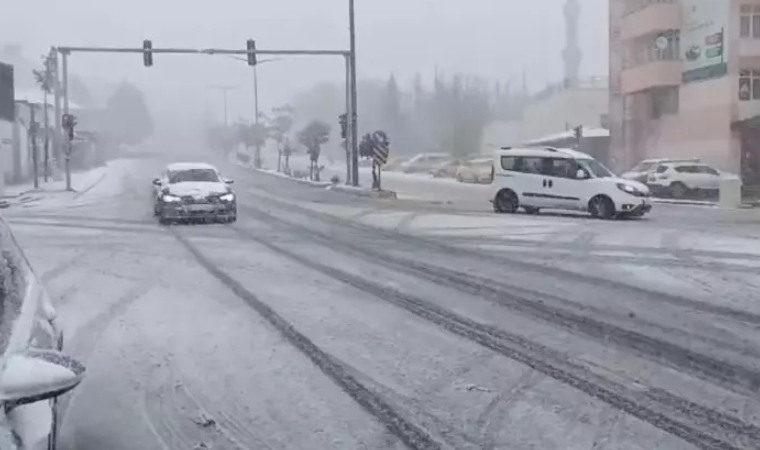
703 39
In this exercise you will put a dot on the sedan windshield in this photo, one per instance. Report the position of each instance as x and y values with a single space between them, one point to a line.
596 168
202 175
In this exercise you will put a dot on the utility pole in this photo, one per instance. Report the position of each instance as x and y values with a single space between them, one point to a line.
224 90
353 120
46 126
257 158
65 88
33 130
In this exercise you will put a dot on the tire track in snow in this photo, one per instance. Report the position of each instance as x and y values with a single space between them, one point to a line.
85 340
410 434
699 425
225 418
557 311
458 252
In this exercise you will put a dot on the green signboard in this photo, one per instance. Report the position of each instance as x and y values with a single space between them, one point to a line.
703 39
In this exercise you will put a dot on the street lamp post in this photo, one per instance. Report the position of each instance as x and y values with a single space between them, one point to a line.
257 112
224 90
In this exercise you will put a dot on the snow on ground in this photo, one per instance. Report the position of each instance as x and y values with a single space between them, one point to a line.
181 358
89 187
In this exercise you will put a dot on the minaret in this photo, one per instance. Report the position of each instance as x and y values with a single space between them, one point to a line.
572 53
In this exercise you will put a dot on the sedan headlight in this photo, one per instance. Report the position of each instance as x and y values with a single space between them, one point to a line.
170 198
227 197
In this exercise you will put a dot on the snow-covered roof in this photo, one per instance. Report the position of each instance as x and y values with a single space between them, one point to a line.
541 152
37 97
587 132
189 166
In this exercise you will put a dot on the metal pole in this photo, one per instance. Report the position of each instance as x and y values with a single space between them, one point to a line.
257 159
65 87
46 125
347 141
224 94
353 117
57 143
33 127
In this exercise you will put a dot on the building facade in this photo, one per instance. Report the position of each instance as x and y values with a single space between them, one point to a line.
685 82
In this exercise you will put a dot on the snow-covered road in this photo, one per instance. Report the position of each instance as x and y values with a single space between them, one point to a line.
326 321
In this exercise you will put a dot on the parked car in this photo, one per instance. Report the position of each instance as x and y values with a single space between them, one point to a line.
476 171
447 169
395 163
558 178
424 162
34 369
642 170
193 191
681 179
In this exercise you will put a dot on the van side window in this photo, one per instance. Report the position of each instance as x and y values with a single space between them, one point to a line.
509 163
564 168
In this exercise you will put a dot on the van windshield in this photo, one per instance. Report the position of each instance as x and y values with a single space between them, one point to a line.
596 168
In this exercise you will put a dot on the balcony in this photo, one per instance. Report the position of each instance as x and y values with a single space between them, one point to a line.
645 17
657 73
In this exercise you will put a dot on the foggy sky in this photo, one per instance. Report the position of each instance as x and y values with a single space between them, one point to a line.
491 38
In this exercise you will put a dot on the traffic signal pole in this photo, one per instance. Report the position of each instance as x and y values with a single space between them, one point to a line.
64 52
352 116
65 88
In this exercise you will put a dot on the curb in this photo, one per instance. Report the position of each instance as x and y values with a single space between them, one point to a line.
666 201
350 190
90 187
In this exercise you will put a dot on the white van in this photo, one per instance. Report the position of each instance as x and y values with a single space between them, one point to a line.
554 178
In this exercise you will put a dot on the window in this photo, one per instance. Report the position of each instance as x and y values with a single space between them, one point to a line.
706 169
565 168
665 101
749 84
595 168
643 166
510 163
749 22
686 169
198 175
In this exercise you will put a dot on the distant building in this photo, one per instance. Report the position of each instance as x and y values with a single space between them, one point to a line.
685 82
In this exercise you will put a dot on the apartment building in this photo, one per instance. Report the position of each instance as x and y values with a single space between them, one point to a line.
685 81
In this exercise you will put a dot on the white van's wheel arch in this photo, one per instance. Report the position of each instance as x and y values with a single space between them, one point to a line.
506 195
602 206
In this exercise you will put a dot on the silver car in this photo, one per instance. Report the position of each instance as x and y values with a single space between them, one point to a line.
33 370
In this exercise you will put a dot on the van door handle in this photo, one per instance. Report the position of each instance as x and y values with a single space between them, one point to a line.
544 182
551 183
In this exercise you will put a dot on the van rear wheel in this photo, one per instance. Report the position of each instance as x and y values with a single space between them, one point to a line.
506 202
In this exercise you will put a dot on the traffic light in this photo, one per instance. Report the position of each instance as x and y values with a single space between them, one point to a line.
343 119
251 46
578 132
147 53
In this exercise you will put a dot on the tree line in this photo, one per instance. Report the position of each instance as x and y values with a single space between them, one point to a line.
448 114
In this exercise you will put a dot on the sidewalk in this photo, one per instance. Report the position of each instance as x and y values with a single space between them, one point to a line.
82 184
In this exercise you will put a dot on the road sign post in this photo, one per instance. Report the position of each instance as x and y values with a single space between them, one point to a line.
69 122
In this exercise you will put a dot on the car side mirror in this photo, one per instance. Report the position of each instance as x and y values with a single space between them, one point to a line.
36 375
157 182
229 181
581 174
